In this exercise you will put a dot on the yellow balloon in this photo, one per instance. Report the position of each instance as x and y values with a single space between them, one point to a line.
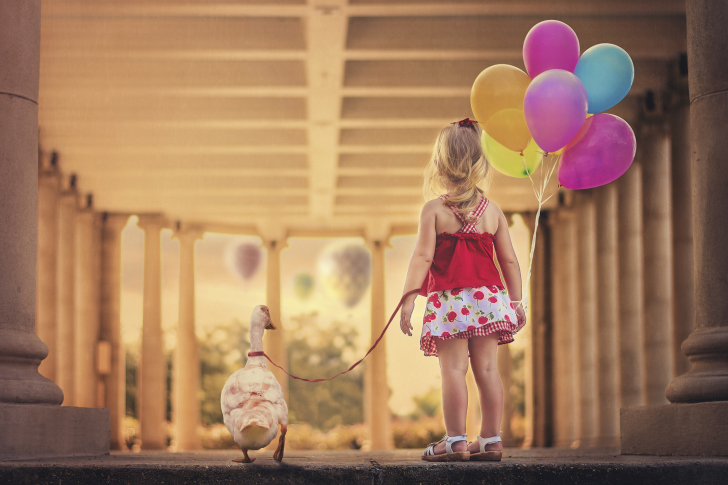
510 162
497 88
508 127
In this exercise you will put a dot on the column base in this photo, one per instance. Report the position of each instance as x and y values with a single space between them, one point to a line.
695 429
42 431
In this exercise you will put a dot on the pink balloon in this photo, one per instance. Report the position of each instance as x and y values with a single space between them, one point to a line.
247 259
550 45
600 153
555 106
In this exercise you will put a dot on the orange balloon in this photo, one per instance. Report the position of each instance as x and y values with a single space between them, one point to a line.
508 127
497 88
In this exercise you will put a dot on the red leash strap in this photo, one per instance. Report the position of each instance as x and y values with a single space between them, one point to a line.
401 301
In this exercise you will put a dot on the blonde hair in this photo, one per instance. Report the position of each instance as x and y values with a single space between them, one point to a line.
458 158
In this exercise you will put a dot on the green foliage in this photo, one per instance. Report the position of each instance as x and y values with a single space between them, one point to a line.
518 382
315 352
428 404
222 351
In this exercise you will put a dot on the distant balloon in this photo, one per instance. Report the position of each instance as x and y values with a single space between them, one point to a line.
247 260
303 284
345 273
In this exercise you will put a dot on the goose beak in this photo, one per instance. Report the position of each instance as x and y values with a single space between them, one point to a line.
270 326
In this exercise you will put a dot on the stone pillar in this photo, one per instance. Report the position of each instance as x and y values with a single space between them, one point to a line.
564 326
65 300
186 410
45 300
631 295
87 307
274 343
695 423
540 333
114 396
682 230
587 319
472 423
607 316
152 372
504 369
32 422
527 334
378 416
657 204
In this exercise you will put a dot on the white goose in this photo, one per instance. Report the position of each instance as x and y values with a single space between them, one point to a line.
252 399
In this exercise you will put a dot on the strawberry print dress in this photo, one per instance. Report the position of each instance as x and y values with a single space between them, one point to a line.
465 294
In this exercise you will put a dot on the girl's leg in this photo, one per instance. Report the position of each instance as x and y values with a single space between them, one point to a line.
453 354
485 370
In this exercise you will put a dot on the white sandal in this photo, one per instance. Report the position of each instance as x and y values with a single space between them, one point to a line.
494 455
449 455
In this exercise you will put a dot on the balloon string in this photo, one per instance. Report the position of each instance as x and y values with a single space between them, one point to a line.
541 201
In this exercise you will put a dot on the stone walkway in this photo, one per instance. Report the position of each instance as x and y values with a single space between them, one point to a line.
538 466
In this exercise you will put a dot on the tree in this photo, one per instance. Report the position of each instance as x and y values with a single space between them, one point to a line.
315 352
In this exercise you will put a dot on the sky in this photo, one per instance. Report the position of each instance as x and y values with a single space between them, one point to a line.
223 296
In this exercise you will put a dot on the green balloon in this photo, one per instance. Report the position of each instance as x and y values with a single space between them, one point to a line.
509 162
303 284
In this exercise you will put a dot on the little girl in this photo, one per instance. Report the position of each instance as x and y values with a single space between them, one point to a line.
469 312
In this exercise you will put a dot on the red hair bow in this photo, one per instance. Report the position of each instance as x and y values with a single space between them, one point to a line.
467 122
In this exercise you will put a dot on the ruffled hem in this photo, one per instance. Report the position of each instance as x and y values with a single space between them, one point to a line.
505 328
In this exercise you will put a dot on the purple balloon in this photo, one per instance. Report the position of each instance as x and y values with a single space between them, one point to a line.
550 45
247 259
555 106
600 153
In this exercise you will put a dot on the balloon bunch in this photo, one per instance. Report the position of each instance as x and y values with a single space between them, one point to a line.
556 109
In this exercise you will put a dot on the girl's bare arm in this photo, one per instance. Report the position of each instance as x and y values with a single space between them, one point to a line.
421 261
507 259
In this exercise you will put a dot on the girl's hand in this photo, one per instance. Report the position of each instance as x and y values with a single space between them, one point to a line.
520 316
404 319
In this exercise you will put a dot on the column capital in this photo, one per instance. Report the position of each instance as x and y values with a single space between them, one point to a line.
188 232
152 221
377 235
114 221
273 236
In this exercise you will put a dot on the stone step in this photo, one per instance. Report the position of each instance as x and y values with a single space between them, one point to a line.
537 466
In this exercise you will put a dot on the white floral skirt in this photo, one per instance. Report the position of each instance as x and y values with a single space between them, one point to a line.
465 313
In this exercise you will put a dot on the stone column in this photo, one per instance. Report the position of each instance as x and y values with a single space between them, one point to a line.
657 210
540 332
564 321
527 334
274 343
695 423
187 360
472 423
152 372
587 319
504 369
682 229
631 295
607 316
87 306
32 422
378 416
45 300
65 300
110 330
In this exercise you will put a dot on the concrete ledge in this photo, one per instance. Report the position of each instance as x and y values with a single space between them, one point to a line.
539 466
38 431
697 429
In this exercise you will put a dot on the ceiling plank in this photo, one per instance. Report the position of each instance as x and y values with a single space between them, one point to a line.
327 31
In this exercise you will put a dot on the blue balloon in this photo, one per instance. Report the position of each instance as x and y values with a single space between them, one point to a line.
607 73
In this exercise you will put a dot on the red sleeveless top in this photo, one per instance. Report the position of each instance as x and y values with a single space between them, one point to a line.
464 258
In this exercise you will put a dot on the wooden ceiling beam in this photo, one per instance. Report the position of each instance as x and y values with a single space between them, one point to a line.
145 9
327 30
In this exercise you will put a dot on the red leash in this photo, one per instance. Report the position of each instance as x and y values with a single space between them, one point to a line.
401 301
